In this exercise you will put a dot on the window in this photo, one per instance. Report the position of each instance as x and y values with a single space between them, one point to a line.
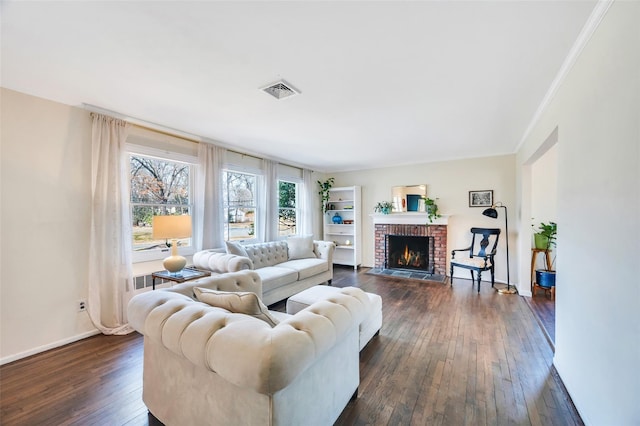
240 205
287 208
159 186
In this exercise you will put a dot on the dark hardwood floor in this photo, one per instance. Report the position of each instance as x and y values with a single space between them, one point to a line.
444 356
545 311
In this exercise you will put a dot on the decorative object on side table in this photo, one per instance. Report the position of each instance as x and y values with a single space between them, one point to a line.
324 192
383 207
481 198
493 213
172 227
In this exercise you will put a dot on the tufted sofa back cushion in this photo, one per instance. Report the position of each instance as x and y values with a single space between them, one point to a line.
267 254
240 281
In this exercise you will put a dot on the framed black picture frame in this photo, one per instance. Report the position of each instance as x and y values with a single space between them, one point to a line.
481 198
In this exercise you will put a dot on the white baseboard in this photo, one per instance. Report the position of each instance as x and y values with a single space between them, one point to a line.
49 346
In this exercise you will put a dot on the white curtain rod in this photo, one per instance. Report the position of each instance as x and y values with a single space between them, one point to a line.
170 131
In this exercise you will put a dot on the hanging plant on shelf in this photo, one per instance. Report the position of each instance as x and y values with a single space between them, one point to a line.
324 192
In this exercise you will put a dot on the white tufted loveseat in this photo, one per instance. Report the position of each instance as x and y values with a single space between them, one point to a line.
205 365
281 276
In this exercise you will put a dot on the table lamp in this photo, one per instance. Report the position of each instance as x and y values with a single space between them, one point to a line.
172 227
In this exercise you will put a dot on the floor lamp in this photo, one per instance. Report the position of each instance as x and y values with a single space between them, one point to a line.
493 213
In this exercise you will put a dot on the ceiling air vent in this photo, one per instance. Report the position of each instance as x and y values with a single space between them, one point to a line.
280 90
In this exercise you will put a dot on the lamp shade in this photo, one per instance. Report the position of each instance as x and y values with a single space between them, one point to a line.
491 212
168 227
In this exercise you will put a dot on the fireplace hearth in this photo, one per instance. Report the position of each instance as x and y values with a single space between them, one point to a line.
409 252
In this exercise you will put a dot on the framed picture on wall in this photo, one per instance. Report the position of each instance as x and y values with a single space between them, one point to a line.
481 198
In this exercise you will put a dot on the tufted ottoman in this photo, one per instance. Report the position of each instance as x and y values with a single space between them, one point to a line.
369 327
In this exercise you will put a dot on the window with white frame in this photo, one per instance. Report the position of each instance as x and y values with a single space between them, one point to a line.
159 186
287 208
240 205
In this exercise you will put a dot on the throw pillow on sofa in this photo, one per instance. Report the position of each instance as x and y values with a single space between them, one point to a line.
300 247
236 248
246 303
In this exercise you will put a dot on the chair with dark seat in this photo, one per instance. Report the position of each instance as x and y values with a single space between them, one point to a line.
480 259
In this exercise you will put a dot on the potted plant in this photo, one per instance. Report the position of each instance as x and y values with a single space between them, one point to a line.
545 238
431 208
383 207
324 192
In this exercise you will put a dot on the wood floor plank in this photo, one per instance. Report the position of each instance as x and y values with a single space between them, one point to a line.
444 356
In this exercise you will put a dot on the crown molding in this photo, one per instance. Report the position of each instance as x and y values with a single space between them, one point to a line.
597 14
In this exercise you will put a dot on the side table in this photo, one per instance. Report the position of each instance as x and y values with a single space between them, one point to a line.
187 274
547 260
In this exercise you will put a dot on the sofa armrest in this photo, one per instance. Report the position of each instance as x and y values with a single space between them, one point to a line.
215 261
324 250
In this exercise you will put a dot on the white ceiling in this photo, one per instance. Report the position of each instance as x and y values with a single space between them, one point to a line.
383 83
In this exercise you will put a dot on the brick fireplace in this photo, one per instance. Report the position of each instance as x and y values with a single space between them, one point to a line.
437 231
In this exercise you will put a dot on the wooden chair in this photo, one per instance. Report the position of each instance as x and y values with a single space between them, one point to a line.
480 259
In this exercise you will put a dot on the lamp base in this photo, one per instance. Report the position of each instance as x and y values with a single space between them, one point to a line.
174 264
510 290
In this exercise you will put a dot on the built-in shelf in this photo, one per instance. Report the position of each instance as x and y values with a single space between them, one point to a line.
344 202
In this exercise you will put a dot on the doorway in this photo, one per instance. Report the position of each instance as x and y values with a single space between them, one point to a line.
540 175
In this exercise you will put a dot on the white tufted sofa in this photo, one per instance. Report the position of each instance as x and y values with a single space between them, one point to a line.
205 365
280 276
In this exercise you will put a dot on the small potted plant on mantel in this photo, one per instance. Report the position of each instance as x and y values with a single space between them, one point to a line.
383 207
544 239
432 209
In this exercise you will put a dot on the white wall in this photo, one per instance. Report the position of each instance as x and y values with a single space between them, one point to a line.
450 182
46 198
544 193
545 187
597 115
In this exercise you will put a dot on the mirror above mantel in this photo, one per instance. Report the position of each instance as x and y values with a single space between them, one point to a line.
409 198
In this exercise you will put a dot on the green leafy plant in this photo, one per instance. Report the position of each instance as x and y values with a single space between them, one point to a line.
545 237
432 209
324 192
549 232
383 207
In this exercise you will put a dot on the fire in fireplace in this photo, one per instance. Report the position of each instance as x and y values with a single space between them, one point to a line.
409 252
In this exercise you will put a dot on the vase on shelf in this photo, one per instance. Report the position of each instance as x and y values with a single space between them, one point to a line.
337 219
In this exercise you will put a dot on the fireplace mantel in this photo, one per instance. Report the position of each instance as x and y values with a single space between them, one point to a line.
407 218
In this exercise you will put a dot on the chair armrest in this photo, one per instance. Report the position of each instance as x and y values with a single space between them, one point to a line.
453 252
